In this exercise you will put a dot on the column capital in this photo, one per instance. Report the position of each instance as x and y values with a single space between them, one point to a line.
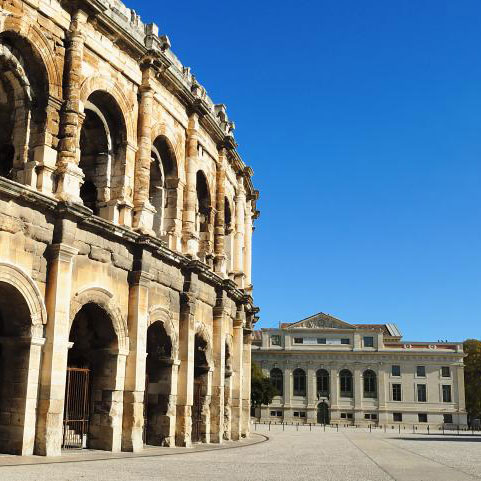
63 252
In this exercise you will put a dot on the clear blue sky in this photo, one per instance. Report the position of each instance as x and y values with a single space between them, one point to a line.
362 122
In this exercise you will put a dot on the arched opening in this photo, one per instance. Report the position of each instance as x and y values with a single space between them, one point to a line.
323 413
163 187
277 380
15 357
227 392
370 384
299 384
345 380
158 386
322 378
228 234
202 218
23 101
102 148
93 399
200 406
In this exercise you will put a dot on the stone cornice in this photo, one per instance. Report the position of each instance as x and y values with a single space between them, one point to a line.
85 219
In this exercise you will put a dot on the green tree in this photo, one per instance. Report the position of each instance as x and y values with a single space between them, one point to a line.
472 378
262 391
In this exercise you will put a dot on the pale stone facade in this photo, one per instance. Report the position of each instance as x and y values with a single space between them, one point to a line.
126 217
329 371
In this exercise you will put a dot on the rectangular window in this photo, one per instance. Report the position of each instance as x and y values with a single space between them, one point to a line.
275 340
421 391
302 414
374 417
368 341
448 418
396 371
345 341
296 414
349 415
421 371
422 418
276 414
343 416
397 417
446 393
367 416
321 340
298 340
396 392
446 371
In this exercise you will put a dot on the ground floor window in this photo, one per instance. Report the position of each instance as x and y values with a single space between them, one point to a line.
371 416
299 414
277 414
346 416
422 418
397 417
448 418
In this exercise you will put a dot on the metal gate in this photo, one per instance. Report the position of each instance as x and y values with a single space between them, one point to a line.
146 411
76 409
323 413
197 412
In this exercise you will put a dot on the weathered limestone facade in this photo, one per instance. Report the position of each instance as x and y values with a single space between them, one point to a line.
126 219
329 371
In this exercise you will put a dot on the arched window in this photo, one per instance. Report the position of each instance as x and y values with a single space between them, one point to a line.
299 382
370 385
228 234
202 215
23 106
163 186
102 150
277 380
345 379
322 377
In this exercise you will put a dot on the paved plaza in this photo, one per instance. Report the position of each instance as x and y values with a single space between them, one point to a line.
348 455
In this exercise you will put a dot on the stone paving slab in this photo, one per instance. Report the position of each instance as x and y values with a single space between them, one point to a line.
291 455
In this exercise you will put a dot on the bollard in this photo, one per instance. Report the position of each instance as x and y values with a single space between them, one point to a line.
283 426
443 429
269 425
370 428
310 427
428 429
297 427
399 429
458 429
413 429
337 427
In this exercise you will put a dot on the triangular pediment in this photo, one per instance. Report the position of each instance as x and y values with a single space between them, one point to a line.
321 321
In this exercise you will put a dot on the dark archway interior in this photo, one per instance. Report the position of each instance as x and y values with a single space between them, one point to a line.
101 139
201 372
94 349
23 100
203 200
15 324
158 385
228 361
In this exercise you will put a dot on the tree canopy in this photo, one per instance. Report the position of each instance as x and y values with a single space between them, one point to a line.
472 378
262 391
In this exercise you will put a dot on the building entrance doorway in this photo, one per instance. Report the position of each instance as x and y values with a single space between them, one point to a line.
323 413
200 402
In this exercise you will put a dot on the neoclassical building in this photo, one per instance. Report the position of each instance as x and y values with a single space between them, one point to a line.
126 218
330 371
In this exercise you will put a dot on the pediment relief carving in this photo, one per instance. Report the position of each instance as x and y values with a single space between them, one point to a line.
322 321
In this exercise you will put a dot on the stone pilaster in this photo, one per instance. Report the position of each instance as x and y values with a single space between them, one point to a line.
248 246
240 201
69 176
219 228
190 238
143 214
185 384
357 380
218 378
287 388
133 422
382 395
54 365
246 383
334 393
237 365
459 373
311 394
